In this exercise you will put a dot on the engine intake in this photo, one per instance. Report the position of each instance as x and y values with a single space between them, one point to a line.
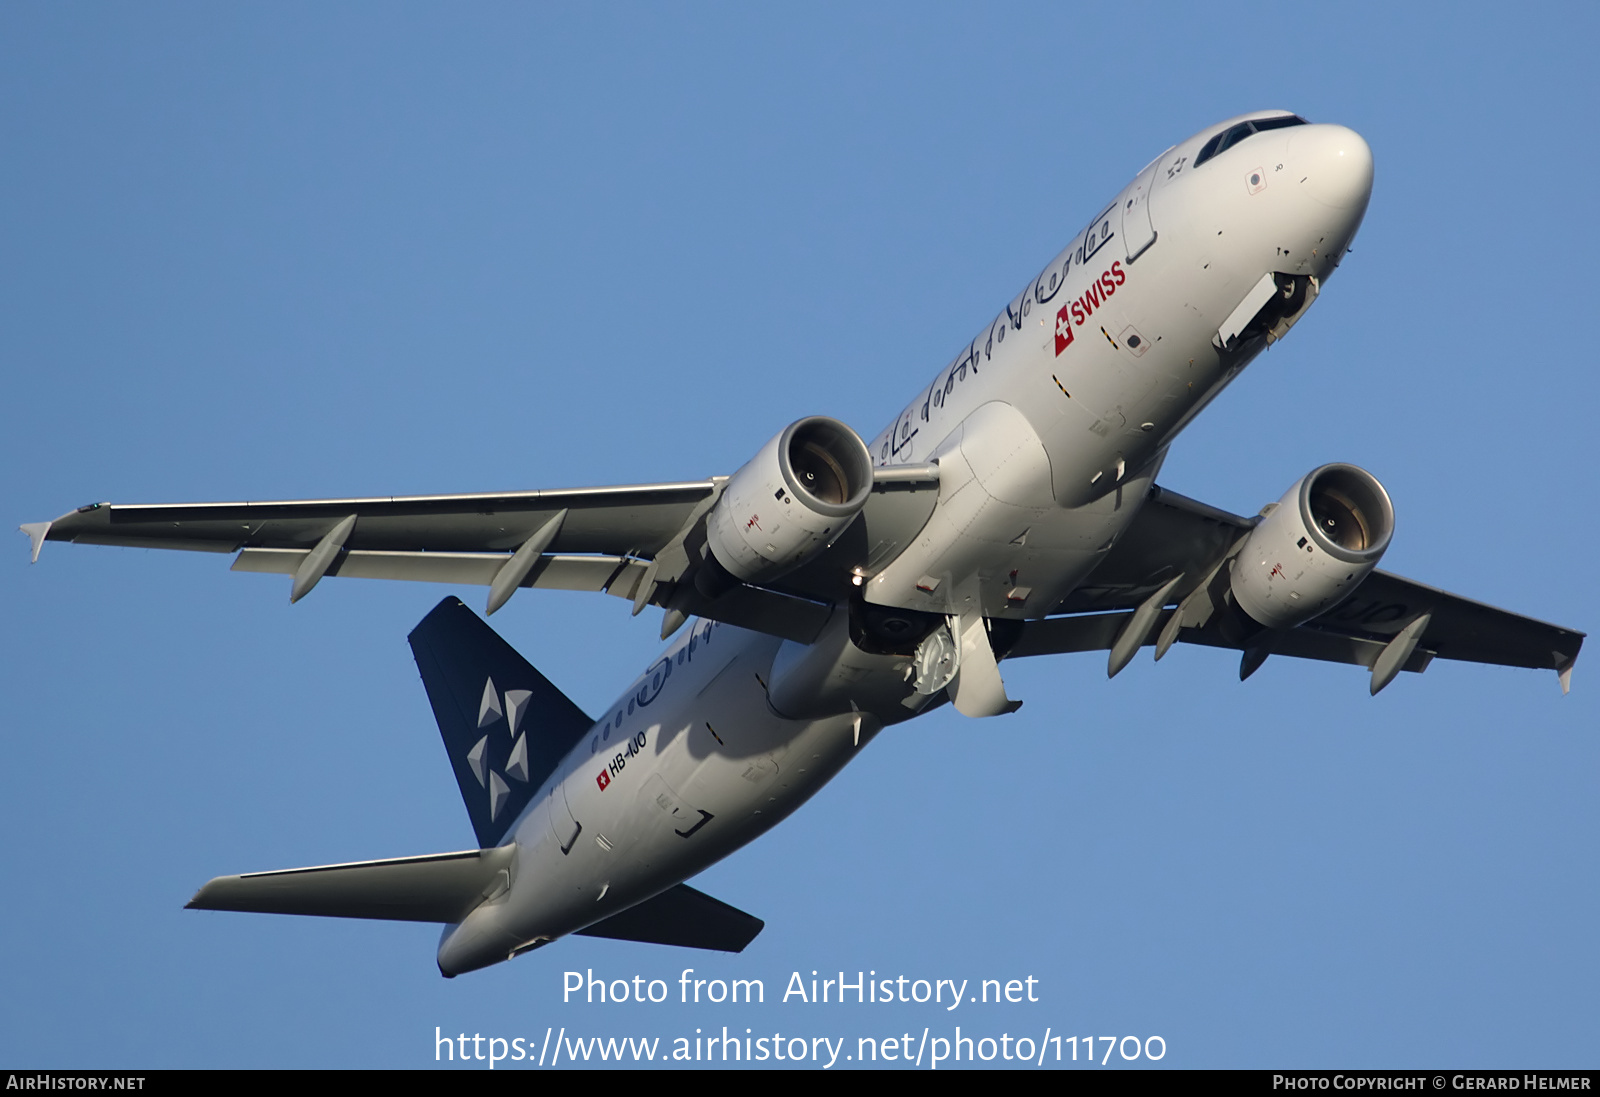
791 500
1314 547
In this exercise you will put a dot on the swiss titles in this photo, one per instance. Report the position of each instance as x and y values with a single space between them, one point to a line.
1075 313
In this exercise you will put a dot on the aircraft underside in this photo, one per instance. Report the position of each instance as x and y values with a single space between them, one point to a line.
833 586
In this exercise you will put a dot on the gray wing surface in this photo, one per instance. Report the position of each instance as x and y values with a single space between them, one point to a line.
1171 535
619 521
1175 535
639 542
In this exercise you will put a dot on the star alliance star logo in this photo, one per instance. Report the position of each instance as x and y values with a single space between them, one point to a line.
491 711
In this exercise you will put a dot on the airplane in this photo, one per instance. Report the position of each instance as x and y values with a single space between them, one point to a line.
832 587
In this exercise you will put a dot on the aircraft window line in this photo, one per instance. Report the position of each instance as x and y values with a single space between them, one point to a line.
1231 136
938 395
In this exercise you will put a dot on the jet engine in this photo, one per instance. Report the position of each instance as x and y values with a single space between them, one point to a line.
1314 546
790 501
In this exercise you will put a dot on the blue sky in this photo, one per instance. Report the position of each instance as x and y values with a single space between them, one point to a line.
279 251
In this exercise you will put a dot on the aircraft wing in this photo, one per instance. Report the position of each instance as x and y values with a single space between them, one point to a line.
620 521
636 542
1175 537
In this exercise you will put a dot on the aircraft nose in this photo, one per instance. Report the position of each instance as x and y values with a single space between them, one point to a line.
1336 163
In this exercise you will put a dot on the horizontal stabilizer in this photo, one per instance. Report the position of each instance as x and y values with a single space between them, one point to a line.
442 887
681 916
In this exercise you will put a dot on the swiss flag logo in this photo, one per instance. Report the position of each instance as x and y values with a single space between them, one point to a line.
1063 330
603 780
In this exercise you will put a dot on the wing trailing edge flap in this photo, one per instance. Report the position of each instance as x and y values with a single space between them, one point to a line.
755 608
618 574
1100 631
442 887
683 917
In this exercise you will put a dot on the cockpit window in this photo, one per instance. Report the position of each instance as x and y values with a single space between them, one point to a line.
1234 136
1231 136
1278 123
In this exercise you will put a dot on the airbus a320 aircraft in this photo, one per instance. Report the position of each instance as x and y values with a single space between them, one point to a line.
832 587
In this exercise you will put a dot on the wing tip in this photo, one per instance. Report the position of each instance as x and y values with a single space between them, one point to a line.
201 900
1564 675
37 532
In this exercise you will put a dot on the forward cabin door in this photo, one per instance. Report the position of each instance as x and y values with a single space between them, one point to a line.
1138 232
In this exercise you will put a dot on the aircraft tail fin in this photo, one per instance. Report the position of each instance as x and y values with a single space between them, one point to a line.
441 887
505 727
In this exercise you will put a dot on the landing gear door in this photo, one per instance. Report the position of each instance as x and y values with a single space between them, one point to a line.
1138 231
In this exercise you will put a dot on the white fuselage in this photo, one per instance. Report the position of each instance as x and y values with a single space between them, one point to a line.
1048 429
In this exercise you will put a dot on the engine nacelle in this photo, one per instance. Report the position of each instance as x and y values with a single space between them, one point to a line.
1315 545
790 501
